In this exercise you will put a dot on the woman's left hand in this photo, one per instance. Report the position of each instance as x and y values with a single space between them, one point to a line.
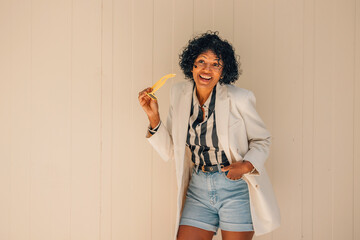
238 169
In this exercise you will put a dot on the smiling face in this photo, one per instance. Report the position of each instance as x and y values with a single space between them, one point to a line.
207 70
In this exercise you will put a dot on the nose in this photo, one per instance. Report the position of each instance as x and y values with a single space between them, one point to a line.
207 67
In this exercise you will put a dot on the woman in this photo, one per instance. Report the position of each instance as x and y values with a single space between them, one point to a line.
217 140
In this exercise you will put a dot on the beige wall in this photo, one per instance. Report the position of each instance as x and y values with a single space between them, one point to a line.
74 163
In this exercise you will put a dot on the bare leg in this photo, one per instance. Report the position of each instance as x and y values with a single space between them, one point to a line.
226 235
193 233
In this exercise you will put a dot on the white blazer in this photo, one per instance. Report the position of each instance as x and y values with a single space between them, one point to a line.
242 134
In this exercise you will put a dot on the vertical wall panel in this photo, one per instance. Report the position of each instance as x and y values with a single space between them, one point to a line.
142 72
51 54
203 16
106 118
287 129
161 171
356 170
322 165
41 125
20 109
123 100
308 121
86 117
224 18
183 30
342 115
243 27
5 116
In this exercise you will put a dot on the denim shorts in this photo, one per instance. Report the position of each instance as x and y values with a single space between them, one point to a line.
213 201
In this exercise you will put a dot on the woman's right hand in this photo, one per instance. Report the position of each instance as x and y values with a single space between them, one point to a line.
150 107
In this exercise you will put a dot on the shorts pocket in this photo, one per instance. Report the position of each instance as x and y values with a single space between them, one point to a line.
193 172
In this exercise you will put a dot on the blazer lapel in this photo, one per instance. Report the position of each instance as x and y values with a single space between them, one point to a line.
184 110
222 118
182 119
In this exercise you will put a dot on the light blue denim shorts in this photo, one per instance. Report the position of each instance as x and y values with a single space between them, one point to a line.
213 201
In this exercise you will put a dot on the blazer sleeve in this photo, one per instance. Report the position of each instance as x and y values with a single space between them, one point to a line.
162 140
259 138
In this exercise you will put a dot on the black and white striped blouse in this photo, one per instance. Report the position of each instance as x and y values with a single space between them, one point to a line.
202 138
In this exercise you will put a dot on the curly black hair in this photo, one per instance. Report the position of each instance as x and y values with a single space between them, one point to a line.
222 48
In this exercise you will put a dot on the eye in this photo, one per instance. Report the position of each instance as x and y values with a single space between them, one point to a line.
216 65
201 61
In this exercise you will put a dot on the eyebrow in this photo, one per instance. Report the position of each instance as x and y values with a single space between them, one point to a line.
217 59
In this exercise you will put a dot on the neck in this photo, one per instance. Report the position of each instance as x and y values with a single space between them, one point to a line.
202 95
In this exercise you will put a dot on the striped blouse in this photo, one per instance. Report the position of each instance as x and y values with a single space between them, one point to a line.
202 138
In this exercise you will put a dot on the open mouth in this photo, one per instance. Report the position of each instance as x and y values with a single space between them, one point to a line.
204 77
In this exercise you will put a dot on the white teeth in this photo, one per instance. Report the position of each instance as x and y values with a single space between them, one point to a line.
205 77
